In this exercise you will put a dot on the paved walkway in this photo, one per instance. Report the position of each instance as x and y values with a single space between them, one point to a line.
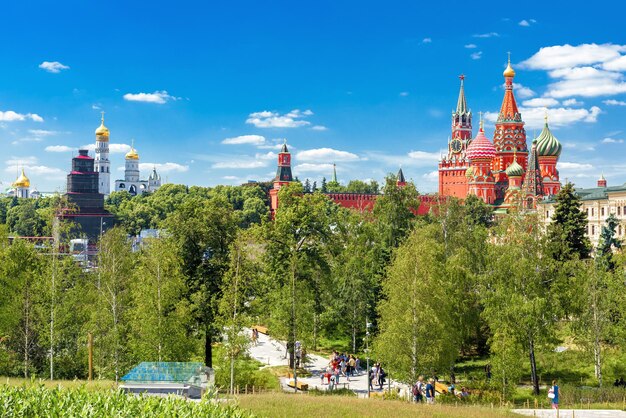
273 353
568 413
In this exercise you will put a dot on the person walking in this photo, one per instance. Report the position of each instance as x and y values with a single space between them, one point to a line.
430 391
553 394
381 376
372 373
418 390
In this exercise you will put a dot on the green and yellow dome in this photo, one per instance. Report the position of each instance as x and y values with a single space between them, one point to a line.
514 169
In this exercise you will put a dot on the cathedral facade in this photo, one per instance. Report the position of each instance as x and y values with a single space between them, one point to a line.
503 173
132 182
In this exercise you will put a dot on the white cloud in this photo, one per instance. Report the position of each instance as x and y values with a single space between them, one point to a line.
326 154
432 176
31 165
30 160
522 91
557 117
470 46
568 56
424 156
245 139
158 97
613 102
268 119
163 167
486 35
11 116
239 164
586 70
476 55
59 148
319 128
573 102
113 148
612 141
427 40
267 156
314 168
541 102
42 132
524 22
53 66
574 166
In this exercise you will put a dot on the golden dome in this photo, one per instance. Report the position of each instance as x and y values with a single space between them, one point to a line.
509 72
22 181
102 130
132 154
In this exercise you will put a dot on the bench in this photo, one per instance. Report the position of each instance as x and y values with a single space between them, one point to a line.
301 386
261 329
346 385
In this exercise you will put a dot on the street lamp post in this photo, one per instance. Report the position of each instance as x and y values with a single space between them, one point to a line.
367 354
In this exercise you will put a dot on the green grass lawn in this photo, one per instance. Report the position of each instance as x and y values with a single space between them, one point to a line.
275 405
66 384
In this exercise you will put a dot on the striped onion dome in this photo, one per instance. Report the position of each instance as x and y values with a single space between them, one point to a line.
481 148
514 169
547 144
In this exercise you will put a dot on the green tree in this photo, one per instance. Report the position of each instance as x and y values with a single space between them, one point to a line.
203 231
20 320
160 313
567 233
394 212
607 243
518 303
111 301
297 248
415 328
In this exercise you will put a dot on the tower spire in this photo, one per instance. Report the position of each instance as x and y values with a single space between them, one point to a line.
461 104
335 173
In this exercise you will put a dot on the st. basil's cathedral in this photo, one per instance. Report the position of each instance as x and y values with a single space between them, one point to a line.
505 173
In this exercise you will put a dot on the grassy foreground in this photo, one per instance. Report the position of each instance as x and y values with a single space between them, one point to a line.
65 384
39 401
275 405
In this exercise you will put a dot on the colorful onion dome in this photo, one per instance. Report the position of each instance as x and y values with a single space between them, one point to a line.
481 148
469 173
22 181
547 144
509 71
102 130
514 169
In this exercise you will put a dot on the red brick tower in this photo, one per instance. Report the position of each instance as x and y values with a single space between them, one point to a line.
283 176
509 136
480 154
452 168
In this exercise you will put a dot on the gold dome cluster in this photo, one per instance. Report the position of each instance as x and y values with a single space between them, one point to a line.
22 181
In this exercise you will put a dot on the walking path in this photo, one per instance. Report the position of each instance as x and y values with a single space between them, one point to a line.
567 413
273 353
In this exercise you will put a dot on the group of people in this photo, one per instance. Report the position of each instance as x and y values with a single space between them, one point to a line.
377 376
425 390
340 365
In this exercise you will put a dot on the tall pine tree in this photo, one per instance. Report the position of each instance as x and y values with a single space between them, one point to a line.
567 233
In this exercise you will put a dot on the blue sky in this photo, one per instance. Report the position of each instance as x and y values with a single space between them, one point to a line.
207 91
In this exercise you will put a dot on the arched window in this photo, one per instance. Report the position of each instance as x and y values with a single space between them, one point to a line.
122 186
